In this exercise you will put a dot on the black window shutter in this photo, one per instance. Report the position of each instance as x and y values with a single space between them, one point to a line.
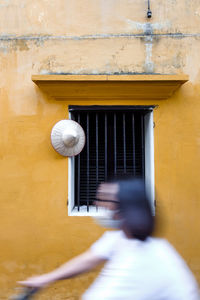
115 147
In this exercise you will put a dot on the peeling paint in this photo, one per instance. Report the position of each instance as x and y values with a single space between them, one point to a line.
41 17
197 12
21 45
13 45
143 26
5 3
149 65
148 31
46 72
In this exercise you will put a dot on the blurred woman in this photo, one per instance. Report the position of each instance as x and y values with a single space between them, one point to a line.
137 266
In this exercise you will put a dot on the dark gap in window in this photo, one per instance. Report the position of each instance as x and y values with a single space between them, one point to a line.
114 148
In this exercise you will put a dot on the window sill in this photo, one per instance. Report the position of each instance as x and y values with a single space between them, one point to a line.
84 213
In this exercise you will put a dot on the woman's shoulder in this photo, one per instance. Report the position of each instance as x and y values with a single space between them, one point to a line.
104 246
113 235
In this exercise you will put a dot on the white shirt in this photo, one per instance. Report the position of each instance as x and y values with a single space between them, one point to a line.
136 270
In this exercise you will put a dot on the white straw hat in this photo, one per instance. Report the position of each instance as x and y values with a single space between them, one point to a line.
68 138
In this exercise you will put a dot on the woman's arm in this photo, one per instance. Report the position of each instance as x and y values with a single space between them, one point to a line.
78 265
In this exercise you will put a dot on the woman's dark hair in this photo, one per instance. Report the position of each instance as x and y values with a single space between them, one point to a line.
135 209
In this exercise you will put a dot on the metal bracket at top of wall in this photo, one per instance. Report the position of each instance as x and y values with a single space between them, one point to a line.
149 12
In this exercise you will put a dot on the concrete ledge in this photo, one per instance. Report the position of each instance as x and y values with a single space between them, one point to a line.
109 87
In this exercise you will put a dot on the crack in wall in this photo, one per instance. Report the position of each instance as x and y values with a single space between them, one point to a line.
96 36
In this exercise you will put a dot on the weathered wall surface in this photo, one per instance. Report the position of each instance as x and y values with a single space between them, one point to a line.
90 37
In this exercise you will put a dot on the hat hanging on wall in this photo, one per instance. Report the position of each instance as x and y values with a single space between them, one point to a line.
68 138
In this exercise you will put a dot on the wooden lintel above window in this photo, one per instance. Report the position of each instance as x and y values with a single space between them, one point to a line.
109 87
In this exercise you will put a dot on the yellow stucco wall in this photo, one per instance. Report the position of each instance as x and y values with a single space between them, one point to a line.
90 37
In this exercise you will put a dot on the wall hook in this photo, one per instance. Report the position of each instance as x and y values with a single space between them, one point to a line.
149 12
